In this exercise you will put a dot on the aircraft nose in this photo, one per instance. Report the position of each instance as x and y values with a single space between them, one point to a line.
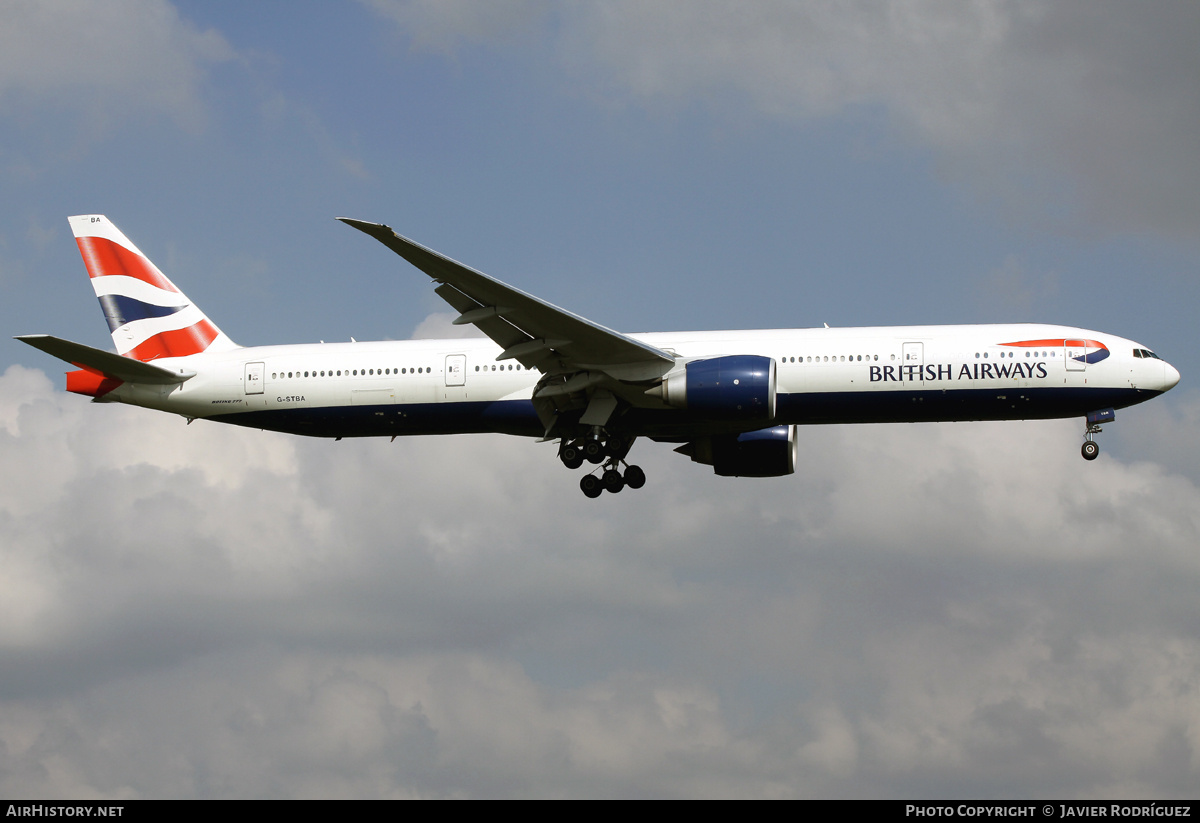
1170 376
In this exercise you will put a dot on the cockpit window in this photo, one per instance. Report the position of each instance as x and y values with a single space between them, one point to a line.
1146 353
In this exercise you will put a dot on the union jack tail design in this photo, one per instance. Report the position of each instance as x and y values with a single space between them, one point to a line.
148 316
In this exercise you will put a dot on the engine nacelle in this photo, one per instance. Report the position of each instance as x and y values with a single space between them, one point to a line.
736 387
763 453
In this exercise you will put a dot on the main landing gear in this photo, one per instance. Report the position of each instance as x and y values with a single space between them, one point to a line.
611 453
612 480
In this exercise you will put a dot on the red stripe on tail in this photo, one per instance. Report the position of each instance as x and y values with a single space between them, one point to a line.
103 257
175 343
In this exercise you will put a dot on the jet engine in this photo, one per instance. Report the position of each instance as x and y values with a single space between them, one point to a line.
763 453
735 387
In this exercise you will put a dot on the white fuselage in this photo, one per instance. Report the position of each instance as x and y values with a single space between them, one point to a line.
876 374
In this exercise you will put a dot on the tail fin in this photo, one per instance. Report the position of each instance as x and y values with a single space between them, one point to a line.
149 318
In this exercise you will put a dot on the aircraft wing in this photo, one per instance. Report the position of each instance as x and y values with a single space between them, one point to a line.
537 334
105 363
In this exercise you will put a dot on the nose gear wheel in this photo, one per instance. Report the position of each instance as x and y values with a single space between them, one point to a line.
1091 449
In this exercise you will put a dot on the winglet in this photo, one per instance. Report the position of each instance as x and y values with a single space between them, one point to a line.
436 265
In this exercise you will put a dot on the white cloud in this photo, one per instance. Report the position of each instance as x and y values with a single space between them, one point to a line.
106 59
440 326
956 609
1083 108
441 25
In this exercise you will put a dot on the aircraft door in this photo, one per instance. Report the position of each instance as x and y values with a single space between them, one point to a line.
914 355
455 390
254 378
1075 349
456 370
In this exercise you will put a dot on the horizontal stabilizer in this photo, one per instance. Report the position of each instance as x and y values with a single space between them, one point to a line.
106 363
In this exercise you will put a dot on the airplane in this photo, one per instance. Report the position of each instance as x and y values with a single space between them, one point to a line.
731 400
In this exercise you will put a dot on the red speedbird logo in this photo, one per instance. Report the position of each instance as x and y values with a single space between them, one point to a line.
1085 351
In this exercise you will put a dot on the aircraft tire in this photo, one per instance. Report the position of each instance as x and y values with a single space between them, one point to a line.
613 481
1090 450
591 486
593 450
635 478
571 456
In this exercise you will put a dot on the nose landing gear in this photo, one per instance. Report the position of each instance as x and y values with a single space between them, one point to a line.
1091 449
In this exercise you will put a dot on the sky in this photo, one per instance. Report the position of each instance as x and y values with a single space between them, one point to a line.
933 610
